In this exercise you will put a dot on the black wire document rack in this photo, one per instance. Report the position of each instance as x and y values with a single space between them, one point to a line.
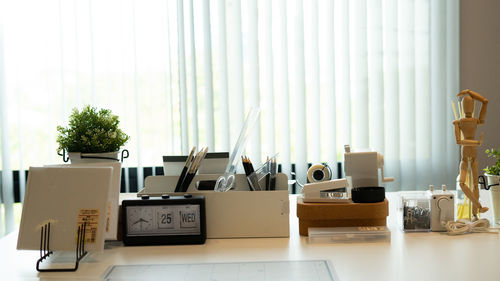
45 251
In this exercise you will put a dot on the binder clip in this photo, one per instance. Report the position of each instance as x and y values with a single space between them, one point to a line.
45 251
327 191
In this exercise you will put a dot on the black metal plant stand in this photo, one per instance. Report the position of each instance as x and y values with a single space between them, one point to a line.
125 154
482 181
45 251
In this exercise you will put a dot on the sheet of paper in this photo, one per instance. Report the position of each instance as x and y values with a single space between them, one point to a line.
317 270
64 197
114 194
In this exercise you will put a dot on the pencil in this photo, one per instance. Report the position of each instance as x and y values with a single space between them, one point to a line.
268 176
245 165
254 179
247 171
250 165
454 110
194 169
273 174
190 175
184 170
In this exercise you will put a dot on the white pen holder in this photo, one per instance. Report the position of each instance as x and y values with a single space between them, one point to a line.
238 213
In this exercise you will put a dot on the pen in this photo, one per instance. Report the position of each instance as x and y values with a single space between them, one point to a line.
184 170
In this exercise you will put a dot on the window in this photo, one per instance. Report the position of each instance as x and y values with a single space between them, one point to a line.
325 73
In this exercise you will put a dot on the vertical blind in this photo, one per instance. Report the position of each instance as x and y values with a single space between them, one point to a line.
370 73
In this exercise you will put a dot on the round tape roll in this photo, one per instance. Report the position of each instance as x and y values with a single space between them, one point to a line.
318 173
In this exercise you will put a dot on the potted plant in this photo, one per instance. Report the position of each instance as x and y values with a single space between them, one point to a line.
493 172
91 135
493 183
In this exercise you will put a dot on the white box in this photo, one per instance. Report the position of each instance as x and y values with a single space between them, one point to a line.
442 209
238 213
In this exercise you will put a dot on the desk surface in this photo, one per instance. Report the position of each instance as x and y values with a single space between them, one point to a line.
409 256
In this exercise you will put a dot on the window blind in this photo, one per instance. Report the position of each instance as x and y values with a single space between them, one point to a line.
373 74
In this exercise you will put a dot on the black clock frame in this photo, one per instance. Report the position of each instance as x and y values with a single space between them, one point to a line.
152 240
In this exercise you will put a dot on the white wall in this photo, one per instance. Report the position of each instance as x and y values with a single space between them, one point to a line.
480 63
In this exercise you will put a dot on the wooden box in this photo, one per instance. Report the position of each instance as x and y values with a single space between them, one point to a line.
340 214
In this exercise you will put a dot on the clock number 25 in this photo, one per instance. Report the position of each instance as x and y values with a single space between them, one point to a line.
166 219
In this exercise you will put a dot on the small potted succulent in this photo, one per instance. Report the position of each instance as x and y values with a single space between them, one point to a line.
91 135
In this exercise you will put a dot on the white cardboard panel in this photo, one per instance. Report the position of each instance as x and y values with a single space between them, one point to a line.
114 194
56 195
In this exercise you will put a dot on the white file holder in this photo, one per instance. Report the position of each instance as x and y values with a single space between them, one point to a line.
238 213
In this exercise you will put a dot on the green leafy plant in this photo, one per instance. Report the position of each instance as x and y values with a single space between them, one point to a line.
91 131
493 170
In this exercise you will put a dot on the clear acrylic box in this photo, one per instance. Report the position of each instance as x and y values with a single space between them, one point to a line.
357 234
416 211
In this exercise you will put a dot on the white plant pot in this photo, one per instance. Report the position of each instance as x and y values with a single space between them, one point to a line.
77 157
493 179
495 196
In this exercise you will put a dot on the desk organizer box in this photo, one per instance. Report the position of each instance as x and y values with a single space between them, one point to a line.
340 214
238 213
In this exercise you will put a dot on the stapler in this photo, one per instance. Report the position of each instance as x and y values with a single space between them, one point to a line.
332 191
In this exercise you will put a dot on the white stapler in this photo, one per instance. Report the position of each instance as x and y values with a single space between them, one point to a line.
326 191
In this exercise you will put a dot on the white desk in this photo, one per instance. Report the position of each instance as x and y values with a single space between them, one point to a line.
409 256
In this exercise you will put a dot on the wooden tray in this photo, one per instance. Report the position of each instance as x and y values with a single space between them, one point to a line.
340 214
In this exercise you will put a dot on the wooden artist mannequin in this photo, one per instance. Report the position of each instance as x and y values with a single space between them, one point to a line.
467 126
